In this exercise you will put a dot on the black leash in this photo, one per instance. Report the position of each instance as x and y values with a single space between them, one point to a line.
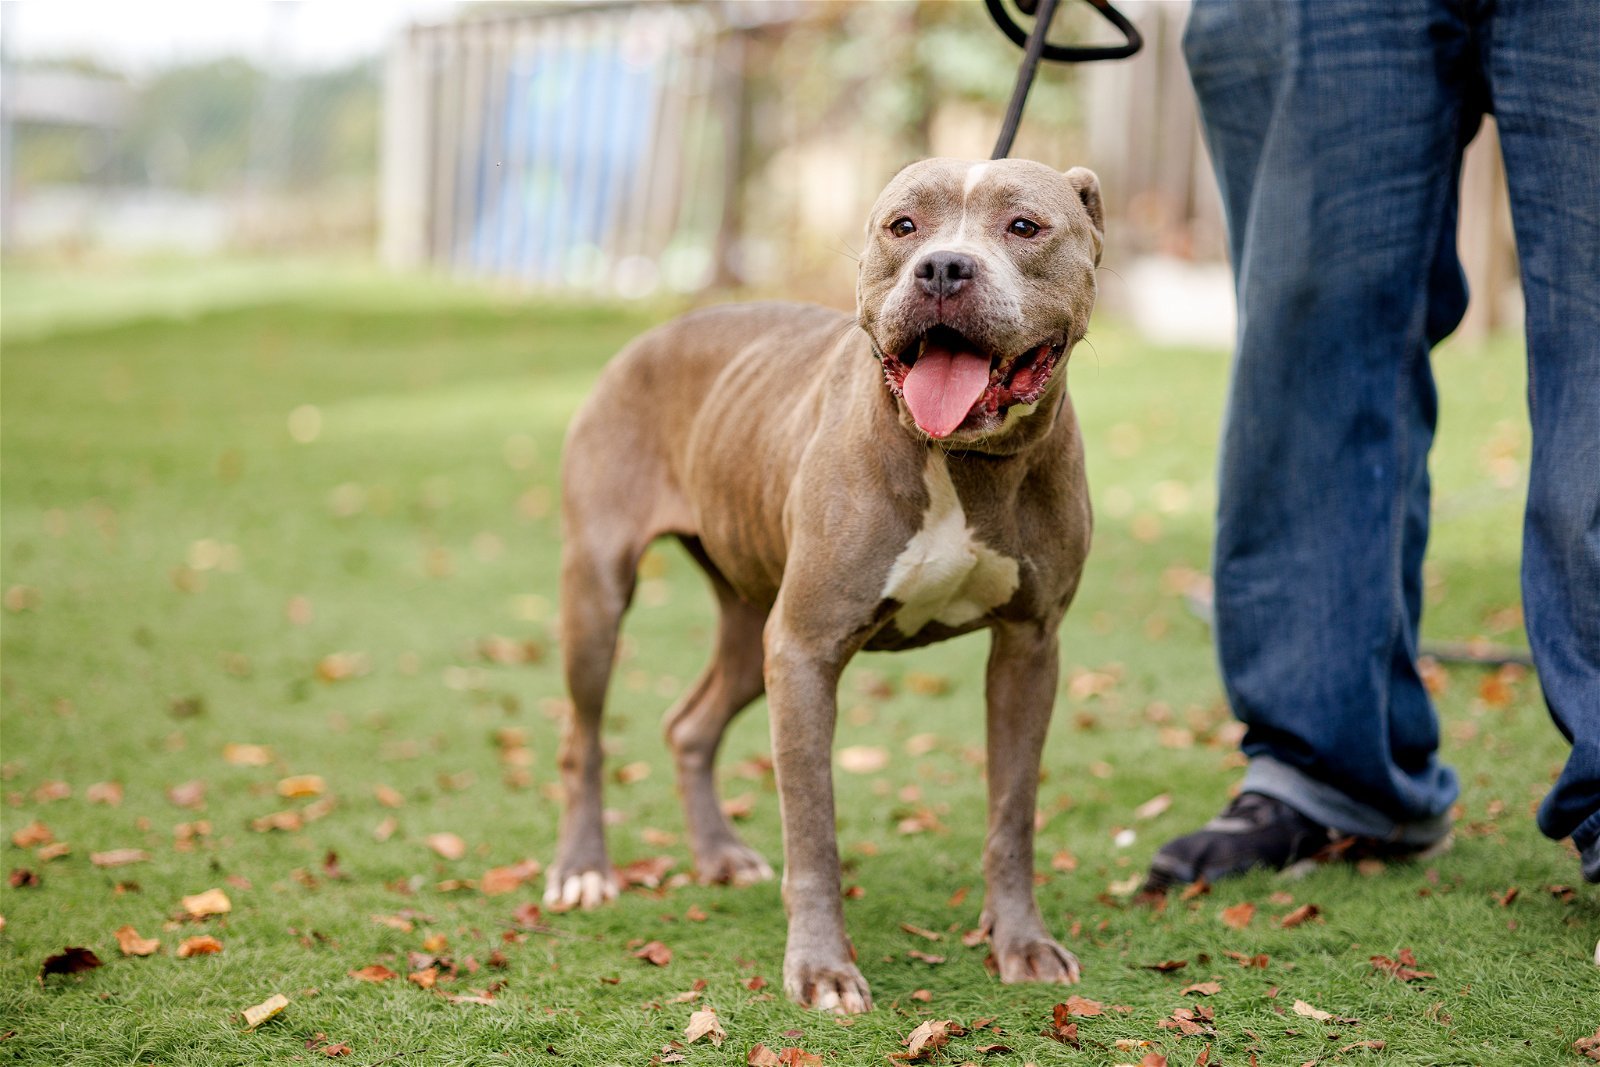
1035 48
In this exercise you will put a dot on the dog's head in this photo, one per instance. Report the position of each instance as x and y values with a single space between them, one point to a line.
976 280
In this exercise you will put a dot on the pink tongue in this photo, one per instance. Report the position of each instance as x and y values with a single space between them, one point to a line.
941 388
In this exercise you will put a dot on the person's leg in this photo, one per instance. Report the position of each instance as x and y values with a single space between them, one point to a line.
1542 59
1337 131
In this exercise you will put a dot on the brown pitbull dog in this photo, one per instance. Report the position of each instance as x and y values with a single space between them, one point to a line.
879 481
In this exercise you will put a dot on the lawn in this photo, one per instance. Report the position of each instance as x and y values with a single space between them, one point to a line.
310 530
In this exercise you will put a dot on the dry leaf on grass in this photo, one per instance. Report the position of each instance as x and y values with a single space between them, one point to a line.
919 931
1404 968
424 978
211 902
188 794
1061 1027
297 786
1302 1008
109 793
1081 1006
646 872
1201 989
373 972
70 960
498 880
927 1039
1190 1022
1153 807
1304 913
1588 1047
131 944
703 1023
118 857
35 833
762 1056
388 796
654 952
1239 915
448 846
863 759
202 945
242 755
257 1014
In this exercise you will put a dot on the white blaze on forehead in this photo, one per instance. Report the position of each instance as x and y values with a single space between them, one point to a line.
945 574
975 175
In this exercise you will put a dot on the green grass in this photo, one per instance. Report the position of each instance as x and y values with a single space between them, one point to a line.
159 518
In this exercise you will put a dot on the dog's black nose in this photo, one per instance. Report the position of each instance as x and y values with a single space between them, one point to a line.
945 273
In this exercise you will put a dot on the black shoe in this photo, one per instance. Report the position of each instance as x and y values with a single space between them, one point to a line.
1253 831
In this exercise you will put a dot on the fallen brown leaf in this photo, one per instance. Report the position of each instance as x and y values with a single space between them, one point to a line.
297 786
931 935
373 972
424 978
35 833
448 846
1404 968
118 857
1201 989
1304 913
927 1039
69 960
703 1023
211 902
1081 1006
498 880
188 794
654 952
647 872
1167 966
243 755
863 759
762 1056
1239 915
1190 1022
1153 807
1588 1047
201 945
257 1014
109 793
131 944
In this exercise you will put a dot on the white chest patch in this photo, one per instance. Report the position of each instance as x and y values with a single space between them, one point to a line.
945 574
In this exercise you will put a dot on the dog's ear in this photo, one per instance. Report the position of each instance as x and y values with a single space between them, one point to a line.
1087 186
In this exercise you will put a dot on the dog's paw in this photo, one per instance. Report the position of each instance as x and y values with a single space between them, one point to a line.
730 863
835 987
567 887
1037 959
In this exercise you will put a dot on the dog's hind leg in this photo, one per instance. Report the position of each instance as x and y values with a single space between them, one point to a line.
695 725
597 579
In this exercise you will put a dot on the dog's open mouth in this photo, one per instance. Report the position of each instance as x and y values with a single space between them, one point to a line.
948 382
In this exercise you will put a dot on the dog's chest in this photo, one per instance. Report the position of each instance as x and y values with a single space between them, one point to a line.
945 574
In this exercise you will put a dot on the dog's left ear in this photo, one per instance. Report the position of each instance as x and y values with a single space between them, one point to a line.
1087 186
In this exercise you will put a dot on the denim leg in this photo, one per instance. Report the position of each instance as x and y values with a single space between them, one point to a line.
1543 60
1339 169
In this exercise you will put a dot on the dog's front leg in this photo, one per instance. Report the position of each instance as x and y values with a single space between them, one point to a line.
1023 669
802 676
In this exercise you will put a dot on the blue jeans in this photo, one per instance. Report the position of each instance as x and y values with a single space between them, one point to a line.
1336 128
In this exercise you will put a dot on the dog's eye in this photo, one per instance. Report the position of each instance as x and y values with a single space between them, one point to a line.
1023 227
902 227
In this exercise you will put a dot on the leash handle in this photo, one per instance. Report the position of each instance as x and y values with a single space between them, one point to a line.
1036 48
